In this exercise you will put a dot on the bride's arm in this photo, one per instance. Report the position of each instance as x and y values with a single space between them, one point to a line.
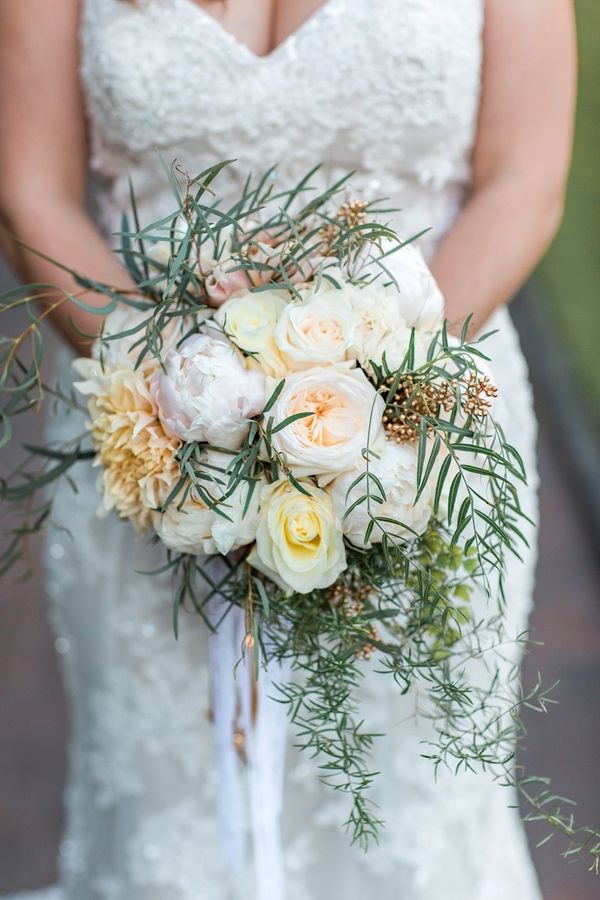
43 156
521 156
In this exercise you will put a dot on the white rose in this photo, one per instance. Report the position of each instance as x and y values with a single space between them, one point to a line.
249 321
394 347
420 301
378 316
299 542
396 470
346 416
204 392
198 529
316 331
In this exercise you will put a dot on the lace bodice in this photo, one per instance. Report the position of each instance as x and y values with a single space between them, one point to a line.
388 89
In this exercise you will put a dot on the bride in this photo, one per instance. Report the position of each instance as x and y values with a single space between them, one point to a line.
460 113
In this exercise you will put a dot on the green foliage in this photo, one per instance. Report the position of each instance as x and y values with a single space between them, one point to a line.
407 604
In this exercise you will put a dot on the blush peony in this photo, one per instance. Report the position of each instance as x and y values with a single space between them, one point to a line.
206 394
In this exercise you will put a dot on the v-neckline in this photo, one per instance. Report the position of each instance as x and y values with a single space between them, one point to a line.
287 41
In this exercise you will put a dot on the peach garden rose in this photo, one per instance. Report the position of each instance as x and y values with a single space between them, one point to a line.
344 416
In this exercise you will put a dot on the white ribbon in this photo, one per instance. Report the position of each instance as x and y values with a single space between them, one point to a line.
224 654
265 730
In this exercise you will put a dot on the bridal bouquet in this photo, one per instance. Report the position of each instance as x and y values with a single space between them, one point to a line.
280 405
310 420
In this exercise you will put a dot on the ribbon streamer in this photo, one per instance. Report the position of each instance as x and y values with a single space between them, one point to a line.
264 724
224 652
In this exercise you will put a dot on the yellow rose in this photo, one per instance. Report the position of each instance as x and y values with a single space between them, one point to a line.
249 321
299 542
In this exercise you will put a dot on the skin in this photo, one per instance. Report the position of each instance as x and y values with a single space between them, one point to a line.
521 157
521 154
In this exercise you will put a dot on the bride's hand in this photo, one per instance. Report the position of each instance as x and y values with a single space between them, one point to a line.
521 157
43 160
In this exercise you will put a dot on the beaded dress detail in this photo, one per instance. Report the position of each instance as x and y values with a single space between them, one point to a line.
389 89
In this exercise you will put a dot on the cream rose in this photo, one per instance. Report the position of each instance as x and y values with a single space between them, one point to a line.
378 320
249 321
196 528
345 415
316 331
299 542
396 470
204 392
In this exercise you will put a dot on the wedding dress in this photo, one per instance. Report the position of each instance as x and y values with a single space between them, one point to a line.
390 89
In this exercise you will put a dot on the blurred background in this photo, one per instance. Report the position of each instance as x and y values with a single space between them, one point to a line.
558 316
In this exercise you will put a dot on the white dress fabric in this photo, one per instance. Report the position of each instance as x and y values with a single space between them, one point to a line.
390 89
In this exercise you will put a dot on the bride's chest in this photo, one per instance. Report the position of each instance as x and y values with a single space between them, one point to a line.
358 74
